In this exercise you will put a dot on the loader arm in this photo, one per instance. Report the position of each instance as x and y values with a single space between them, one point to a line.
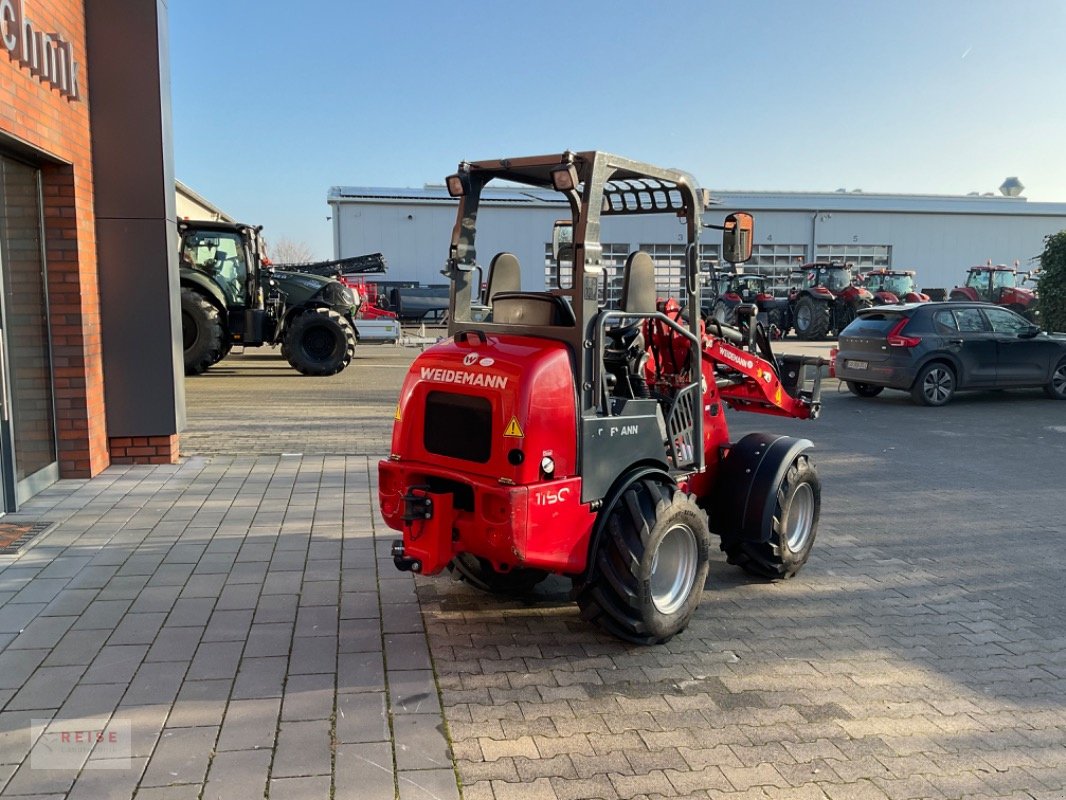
747 381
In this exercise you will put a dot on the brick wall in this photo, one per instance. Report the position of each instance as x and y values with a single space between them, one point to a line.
37 114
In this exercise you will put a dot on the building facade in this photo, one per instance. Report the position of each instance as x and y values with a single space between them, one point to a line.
90 368
937 236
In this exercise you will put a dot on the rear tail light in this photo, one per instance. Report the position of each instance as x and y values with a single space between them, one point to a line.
897 339
833 351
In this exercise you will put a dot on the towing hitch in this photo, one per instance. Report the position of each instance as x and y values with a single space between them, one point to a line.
404 563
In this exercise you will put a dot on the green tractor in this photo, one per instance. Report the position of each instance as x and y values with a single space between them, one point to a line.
231 295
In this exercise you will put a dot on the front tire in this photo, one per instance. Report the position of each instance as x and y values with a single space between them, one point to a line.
1056 387
935 385
812 319
797 503
319 342
647 577
864 389
201 332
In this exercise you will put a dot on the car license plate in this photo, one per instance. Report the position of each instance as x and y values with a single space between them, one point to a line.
857 364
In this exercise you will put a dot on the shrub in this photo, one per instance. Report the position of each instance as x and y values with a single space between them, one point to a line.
1052 286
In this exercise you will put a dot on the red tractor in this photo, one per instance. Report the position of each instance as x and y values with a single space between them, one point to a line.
1001 285
891 286
735 290
563 436
826 300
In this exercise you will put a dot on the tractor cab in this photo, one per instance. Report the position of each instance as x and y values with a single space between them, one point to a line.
832 277
1001 285
989 281
892 286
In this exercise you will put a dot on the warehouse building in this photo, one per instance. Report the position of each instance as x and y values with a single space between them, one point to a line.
90 361
939 236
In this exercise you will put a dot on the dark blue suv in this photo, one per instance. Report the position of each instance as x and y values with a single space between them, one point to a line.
934 349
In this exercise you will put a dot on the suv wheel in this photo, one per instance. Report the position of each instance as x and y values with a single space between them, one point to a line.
864 389
1056 387
935 385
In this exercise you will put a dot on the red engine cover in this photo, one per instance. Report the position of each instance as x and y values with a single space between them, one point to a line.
529 388
474 423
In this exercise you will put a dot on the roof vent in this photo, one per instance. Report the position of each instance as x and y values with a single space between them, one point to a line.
1011 187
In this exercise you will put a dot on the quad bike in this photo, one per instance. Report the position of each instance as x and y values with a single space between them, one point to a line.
891 286
826 300
562 436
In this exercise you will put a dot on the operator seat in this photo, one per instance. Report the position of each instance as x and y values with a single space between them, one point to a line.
625 354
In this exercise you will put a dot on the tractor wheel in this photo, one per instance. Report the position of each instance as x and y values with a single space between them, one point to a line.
201 332
797 499
319 342
812 319
775 318
647 577
864 389
1056 387
480 574
224 350
935 385
724 314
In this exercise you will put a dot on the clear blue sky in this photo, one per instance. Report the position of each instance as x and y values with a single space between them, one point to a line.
274 102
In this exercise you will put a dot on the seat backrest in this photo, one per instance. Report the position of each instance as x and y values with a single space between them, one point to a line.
638 285
505 275
531 308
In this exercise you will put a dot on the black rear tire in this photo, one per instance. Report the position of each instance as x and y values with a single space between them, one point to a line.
224 351
864 389
775 318
797 503
724 313
201 332
319 342
647 576
480 574
1056 387
811 320
934 386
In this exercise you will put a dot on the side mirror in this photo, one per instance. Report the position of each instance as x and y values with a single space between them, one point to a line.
737 235
563 240
1029 332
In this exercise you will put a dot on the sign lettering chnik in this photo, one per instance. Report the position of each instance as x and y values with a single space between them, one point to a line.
49 56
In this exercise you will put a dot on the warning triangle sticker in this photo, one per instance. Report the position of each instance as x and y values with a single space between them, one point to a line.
397 416
513 429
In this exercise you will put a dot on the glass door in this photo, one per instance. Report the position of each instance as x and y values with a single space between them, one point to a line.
27 417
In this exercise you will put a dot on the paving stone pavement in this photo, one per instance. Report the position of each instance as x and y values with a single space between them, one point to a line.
236 625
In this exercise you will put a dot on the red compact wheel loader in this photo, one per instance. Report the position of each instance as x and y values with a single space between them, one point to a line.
563 436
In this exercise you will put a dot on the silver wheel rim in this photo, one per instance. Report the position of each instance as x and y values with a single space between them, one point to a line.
803 317
938 385
673 569
1058 381
800 518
